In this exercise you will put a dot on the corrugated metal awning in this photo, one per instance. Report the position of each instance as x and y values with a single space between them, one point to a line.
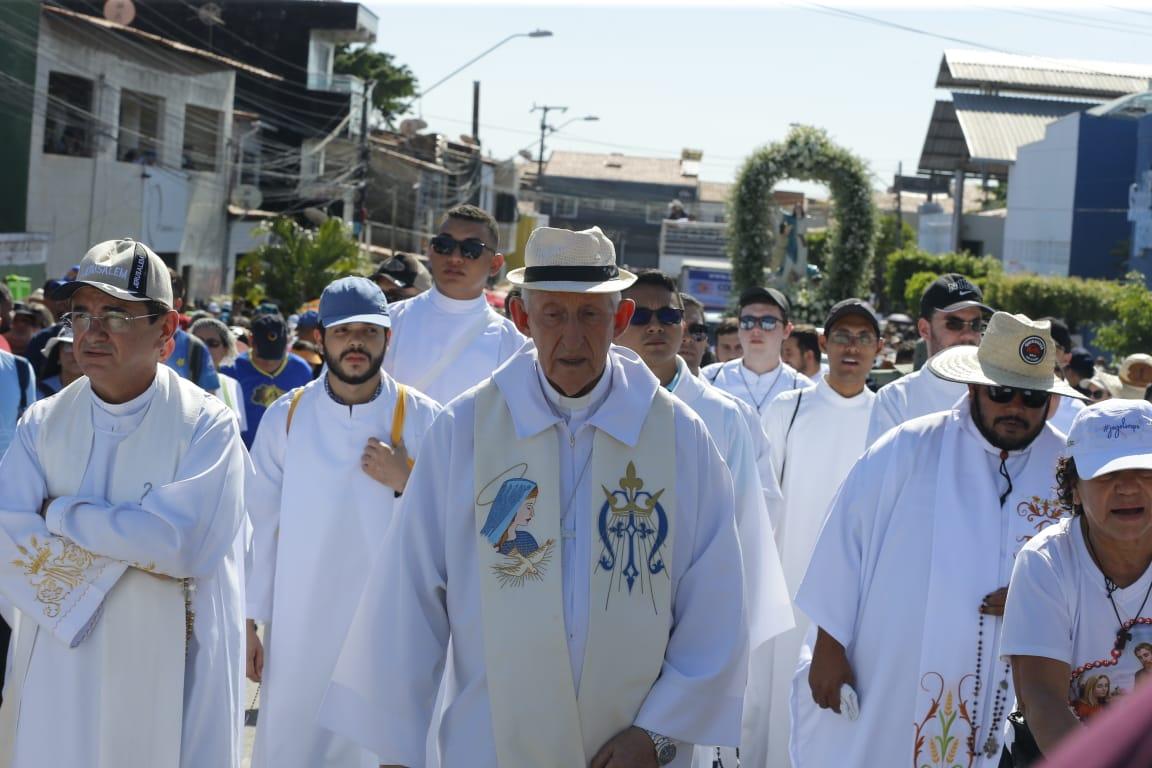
980 134
990 71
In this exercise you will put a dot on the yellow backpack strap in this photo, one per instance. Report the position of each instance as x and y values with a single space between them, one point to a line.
292 407
398 418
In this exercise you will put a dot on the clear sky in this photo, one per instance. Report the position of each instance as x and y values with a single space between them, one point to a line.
723 78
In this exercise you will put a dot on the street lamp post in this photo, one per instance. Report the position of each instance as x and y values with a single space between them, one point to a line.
546 129
473 60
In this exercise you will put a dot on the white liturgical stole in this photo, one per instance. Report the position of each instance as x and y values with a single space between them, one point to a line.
141 631
537 717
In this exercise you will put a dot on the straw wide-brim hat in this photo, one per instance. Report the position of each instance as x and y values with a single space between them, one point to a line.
570 262
1015 352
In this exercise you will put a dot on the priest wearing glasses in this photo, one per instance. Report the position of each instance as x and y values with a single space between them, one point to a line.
122 497
574 536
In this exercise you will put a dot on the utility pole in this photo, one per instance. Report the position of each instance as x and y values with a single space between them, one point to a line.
543 131
899 206
476 110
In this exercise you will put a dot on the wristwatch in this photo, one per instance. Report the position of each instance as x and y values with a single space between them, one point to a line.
665 747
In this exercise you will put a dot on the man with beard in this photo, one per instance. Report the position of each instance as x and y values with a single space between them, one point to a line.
951 314
354 431
908 579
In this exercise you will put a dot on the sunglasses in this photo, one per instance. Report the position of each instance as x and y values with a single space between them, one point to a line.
956 324
472 248
1032 398
698 331
765 322
665 316
1095 394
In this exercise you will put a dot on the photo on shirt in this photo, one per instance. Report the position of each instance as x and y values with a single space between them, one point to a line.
1097 684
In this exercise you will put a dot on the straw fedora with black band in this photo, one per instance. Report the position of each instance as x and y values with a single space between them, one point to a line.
1015 352
570 262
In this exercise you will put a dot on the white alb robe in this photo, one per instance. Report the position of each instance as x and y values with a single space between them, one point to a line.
755 389
870 576
424 581
186 529
442 346
318 521
1065 412
917 394
769 603
816 454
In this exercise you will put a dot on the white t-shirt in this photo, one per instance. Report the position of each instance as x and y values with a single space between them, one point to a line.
1058 608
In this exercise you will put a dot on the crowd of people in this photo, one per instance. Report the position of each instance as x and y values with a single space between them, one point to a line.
589 530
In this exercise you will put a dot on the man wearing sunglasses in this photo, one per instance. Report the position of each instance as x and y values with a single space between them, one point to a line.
448 339
589 627
952 314
760 375
122 498
907 582
655 333
694 348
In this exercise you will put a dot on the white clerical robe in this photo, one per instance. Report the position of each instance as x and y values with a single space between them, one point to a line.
424 581
442 346
755 389
917 394
769 603
185 529
815 453
869 580
318 520
1066 411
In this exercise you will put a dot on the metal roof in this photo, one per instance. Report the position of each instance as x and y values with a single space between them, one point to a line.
990 71
980 133
616 167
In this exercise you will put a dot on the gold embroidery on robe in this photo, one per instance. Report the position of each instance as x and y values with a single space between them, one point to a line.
54 568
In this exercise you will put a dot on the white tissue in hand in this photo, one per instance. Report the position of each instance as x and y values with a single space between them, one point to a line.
849 702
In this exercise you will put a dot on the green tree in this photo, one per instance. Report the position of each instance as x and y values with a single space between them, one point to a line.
902 265
297 263
1131 329
892 235
395 84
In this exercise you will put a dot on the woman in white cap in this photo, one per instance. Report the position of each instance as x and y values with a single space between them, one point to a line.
60 366
1078 607
222 346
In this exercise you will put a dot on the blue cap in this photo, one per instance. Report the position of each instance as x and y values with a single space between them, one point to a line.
309 319
354 300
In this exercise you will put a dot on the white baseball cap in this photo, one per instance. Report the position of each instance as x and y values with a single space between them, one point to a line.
1111 436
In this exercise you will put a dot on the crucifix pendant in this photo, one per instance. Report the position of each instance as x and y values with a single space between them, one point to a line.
991 746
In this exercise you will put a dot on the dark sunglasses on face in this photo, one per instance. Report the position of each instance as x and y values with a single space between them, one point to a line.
1032 398
955 324
1092 392
665 315
472 248
698 331
765 322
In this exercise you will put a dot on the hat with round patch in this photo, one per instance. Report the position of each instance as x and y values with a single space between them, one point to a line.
1015 352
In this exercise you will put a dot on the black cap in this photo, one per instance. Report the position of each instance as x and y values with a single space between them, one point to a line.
949 293
1082 362
404 269
851 308
760 295
269 336
1060 333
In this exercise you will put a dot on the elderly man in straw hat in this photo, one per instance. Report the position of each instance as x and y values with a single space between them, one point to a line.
571 528
908 579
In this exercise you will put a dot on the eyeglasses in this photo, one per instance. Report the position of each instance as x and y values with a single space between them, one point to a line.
1095 394
844 339
698 331
765 322
1032 398
956 324
472 248
113 321
665 315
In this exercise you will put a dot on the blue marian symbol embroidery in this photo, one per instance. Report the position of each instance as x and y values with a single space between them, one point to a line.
633 527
